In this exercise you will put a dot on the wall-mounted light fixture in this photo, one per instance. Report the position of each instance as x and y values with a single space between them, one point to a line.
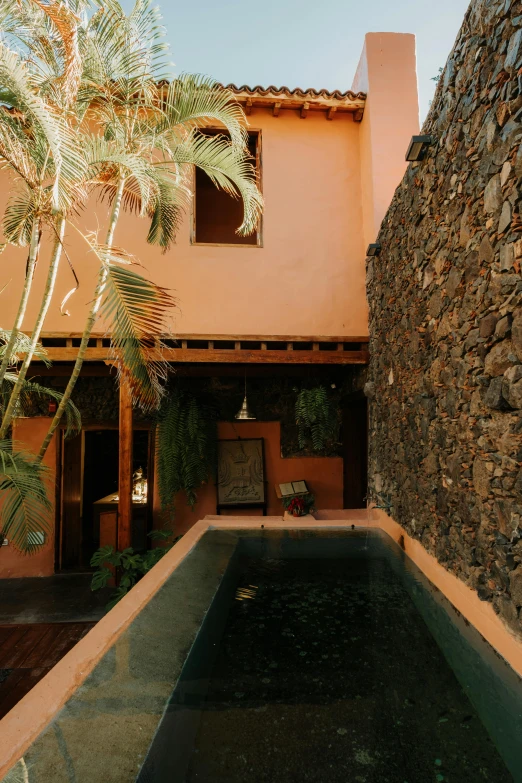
418 148
374 249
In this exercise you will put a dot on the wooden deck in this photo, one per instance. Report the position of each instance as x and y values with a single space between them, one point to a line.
28 652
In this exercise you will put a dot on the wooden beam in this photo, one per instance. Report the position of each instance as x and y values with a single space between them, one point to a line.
347 338
248 106
223 355
304 110
125 468
267 357
358 115
276 109
330 113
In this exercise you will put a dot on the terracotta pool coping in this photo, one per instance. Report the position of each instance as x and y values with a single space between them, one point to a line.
24 723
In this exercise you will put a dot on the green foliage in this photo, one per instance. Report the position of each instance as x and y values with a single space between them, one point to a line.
32 391
21 345
26 510
131 565
186 446
317 419
133 307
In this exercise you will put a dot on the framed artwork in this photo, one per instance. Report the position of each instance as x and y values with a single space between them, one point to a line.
241 472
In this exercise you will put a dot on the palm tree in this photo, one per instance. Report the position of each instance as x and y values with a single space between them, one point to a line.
38 143
90 111
25 506
149 137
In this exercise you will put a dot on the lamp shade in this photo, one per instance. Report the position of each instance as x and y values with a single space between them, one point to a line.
244 414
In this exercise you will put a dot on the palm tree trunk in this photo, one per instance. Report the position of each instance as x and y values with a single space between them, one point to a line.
34 247
35 336
91 318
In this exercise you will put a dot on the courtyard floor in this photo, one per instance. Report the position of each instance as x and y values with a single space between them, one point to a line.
41 619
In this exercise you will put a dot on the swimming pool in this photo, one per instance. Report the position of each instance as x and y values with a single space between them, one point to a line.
312 654
331 658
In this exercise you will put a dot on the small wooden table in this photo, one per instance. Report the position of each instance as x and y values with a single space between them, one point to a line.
139 519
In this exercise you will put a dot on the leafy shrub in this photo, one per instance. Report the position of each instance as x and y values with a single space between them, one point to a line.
131 565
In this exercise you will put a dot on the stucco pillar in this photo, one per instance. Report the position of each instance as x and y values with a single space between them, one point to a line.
28 435
387 73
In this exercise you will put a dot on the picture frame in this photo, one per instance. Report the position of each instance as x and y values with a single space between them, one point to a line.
241 473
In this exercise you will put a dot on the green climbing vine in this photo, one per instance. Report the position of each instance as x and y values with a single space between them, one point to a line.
317 419
186 446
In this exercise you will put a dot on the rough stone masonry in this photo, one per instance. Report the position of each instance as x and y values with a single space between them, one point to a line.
445 297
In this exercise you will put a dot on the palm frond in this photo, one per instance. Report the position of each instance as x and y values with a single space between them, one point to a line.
25 506
20 214
126 52
135 311
17 79
66 23
31 392
18 150
196 101
101 154
21 91
170 201
228 168
21 346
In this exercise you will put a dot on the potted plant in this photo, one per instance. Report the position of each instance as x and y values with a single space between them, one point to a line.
299 505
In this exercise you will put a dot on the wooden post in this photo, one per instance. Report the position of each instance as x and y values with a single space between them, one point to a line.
125 468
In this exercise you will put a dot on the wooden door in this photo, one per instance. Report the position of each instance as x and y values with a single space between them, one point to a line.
355 451
69 551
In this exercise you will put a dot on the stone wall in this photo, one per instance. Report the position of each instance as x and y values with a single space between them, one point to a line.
445 299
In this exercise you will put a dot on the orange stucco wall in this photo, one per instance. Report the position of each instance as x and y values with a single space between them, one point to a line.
308 278
323 474
28 434
326 185
387 73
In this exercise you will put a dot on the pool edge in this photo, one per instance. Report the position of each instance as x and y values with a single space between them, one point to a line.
26 721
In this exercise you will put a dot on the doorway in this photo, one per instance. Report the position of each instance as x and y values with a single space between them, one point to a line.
355 450
90 484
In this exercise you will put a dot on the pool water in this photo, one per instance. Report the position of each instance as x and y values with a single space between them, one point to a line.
322 668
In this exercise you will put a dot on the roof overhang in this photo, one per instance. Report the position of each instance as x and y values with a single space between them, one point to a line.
304 101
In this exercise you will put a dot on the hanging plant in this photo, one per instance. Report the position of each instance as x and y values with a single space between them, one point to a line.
317 419
186 445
